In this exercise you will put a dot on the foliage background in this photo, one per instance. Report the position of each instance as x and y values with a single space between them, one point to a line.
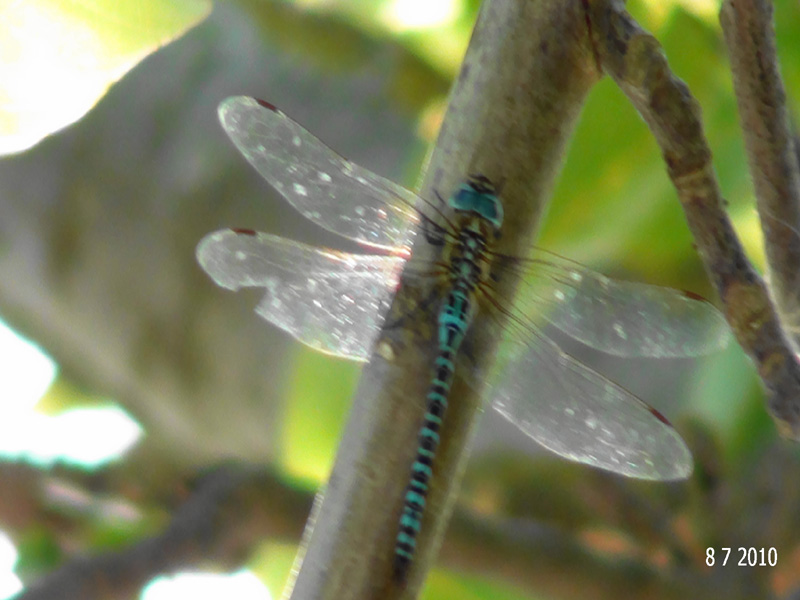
98 224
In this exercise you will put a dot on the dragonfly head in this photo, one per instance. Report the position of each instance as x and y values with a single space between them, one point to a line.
479 196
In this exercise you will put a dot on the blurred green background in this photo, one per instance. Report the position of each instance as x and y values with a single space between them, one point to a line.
99 218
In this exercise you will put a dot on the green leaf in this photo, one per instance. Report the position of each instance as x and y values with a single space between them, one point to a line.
315 413
59 57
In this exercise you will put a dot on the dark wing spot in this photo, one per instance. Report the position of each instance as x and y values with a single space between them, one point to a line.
693 296
266 104
659 416
240 231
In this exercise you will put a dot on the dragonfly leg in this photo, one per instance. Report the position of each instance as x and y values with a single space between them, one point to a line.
419 308
434 233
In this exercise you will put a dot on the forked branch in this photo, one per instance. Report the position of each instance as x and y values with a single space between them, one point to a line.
634 59
770 145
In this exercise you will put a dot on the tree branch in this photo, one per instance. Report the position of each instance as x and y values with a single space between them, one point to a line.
521 541
634 60
232 510
511 111
770 145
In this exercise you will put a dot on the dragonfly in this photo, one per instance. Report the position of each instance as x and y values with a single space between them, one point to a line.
337 302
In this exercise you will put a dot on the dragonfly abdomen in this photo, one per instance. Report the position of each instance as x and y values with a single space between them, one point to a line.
455 316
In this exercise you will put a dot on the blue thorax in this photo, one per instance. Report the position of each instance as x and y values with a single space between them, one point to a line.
483 202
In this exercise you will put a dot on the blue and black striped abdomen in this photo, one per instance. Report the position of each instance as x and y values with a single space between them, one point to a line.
422 469
455 316
479 214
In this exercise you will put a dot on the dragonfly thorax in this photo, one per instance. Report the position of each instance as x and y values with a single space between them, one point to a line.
479 198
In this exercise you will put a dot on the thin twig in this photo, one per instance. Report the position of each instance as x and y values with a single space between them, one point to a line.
634 60
770 145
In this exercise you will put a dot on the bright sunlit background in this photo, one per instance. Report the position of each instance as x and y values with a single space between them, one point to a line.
85 436
71 48
242 585
409 15
90 437
373 84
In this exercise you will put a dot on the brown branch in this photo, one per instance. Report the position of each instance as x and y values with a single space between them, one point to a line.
542 558
770 145
511 112
634 60
524 542
232 510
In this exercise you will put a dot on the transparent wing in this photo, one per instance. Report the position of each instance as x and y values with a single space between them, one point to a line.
331 301
618 317
577 413
330 191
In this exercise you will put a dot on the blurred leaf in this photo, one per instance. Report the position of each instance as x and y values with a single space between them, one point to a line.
442 584
272 562
65 393
314 419
58 57
725 390
38 552
341 38
435 31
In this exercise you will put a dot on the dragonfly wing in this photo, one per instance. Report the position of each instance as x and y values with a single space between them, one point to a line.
331 301
577 413
620 317
327 189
